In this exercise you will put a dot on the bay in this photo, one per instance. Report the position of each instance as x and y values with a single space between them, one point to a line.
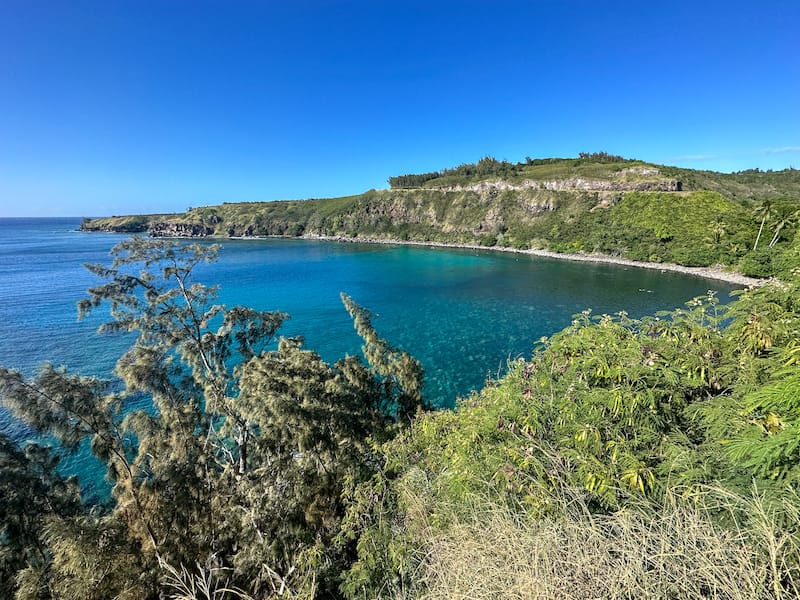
462 313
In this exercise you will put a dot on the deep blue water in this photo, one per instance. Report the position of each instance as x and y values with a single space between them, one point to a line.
463 313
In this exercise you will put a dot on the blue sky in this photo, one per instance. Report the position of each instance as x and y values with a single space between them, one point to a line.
142 106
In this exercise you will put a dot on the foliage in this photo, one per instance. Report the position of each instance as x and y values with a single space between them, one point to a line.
750 186
487 166
31 492
412 180
490 167
701 228
239 465
263 471
601 157
621 412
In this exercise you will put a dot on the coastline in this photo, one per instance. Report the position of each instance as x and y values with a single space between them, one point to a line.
716 273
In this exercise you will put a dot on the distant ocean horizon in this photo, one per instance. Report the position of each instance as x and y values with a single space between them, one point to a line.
462 313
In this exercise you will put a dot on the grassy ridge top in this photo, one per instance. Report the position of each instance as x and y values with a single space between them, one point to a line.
593 203
749 184
598 166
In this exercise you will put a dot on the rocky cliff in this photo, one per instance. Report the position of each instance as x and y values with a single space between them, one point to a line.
177 229
623 208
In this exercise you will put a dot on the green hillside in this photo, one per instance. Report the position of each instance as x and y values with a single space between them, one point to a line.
594 203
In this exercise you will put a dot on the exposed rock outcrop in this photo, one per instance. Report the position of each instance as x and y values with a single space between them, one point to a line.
179 230
573 184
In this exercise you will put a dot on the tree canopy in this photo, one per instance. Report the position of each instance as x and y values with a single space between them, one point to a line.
238 467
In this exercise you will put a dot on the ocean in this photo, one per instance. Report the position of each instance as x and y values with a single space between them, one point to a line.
462 313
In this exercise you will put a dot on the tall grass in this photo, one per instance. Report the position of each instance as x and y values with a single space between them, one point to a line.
714 544
209 583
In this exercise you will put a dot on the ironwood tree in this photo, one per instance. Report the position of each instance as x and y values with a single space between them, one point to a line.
238 466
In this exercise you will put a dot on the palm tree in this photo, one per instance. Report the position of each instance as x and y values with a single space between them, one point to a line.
718 229
785 220
764 211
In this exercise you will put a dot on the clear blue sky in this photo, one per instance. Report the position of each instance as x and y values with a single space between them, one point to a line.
117 107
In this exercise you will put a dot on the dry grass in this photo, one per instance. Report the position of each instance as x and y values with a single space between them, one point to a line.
675 551
200 584
209 583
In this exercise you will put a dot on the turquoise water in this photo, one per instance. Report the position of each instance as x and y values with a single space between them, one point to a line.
463 313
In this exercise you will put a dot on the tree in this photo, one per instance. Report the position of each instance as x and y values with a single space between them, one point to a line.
402 374
31 493
718 229
239 466
764 210
783 221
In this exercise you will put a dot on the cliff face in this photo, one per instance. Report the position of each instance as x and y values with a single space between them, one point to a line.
625 209
522 212
574 184
167 229
444 214
512 210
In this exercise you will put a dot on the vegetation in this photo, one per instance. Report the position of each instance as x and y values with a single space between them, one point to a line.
238 467
669 550
653 457
626 458
488 166
597 202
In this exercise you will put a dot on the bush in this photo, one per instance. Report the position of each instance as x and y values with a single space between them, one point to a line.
490 239
757 263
